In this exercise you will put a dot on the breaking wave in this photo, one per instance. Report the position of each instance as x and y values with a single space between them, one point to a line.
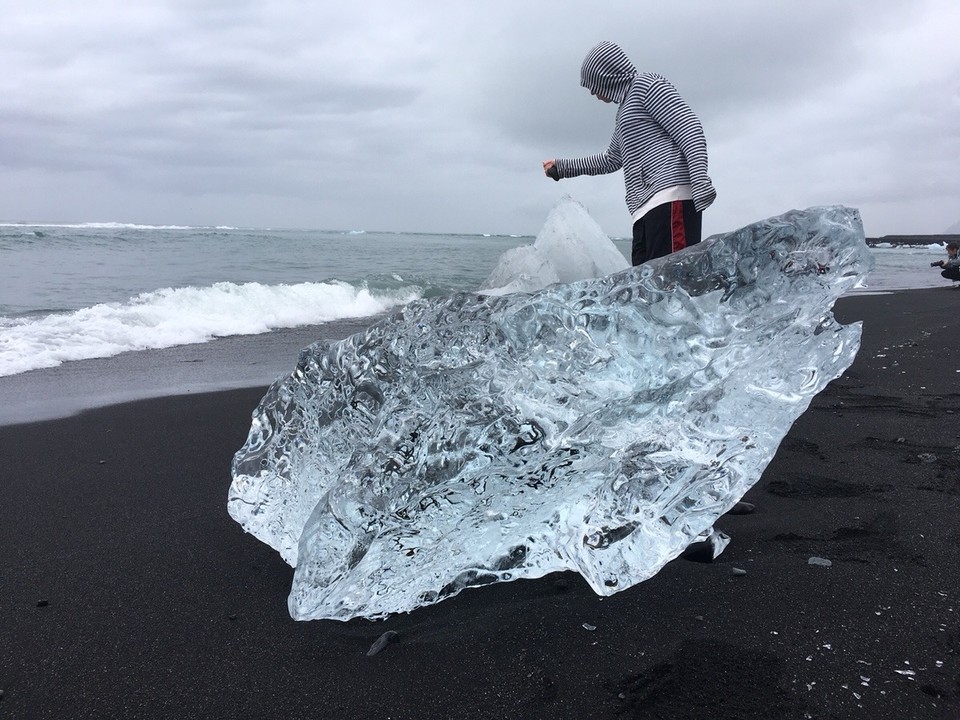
181 316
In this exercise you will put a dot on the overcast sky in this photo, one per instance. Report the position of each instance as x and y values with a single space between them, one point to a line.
435 116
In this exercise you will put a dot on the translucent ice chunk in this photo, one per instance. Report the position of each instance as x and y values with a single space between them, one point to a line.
571 246
522 269
598 426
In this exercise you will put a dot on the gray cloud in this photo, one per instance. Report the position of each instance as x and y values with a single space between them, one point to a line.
435 116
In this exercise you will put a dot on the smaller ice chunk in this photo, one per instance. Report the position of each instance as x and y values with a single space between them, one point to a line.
571 246
522 269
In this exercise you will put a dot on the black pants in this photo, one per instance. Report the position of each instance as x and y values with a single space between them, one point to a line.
666 229
952 273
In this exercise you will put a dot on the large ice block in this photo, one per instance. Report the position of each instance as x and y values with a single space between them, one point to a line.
596 426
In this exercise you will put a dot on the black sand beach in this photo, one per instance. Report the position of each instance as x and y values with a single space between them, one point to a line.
126 591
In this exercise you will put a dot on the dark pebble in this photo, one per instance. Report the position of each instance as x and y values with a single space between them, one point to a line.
742 508
561 585
388 637
42 603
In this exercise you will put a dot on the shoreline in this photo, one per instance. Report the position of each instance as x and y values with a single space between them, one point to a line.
81 385
127 590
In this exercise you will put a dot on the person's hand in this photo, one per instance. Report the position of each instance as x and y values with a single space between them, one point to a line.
550 169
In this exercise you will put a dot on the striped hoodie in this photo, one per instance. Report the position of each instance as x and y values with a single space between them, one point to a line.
658 141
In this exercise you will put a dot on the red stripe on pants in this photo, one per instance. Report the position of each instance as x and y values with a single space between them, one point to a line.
678 233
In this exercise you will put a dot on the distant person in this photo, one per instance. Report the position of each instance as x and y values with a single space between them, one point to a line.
951 266
659 144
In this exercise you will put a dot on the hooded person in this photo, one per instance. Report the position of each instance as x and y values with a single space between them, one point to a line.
659 144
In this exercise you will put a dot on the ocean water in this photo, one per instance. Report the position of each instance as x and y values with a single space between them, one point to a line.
75 293
84 291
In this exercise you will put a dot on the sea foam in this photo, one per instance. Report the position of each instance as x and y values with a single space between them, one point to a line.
181 316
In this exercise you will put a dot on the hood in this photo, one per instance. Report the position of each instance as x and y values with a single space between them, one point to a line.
607 71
